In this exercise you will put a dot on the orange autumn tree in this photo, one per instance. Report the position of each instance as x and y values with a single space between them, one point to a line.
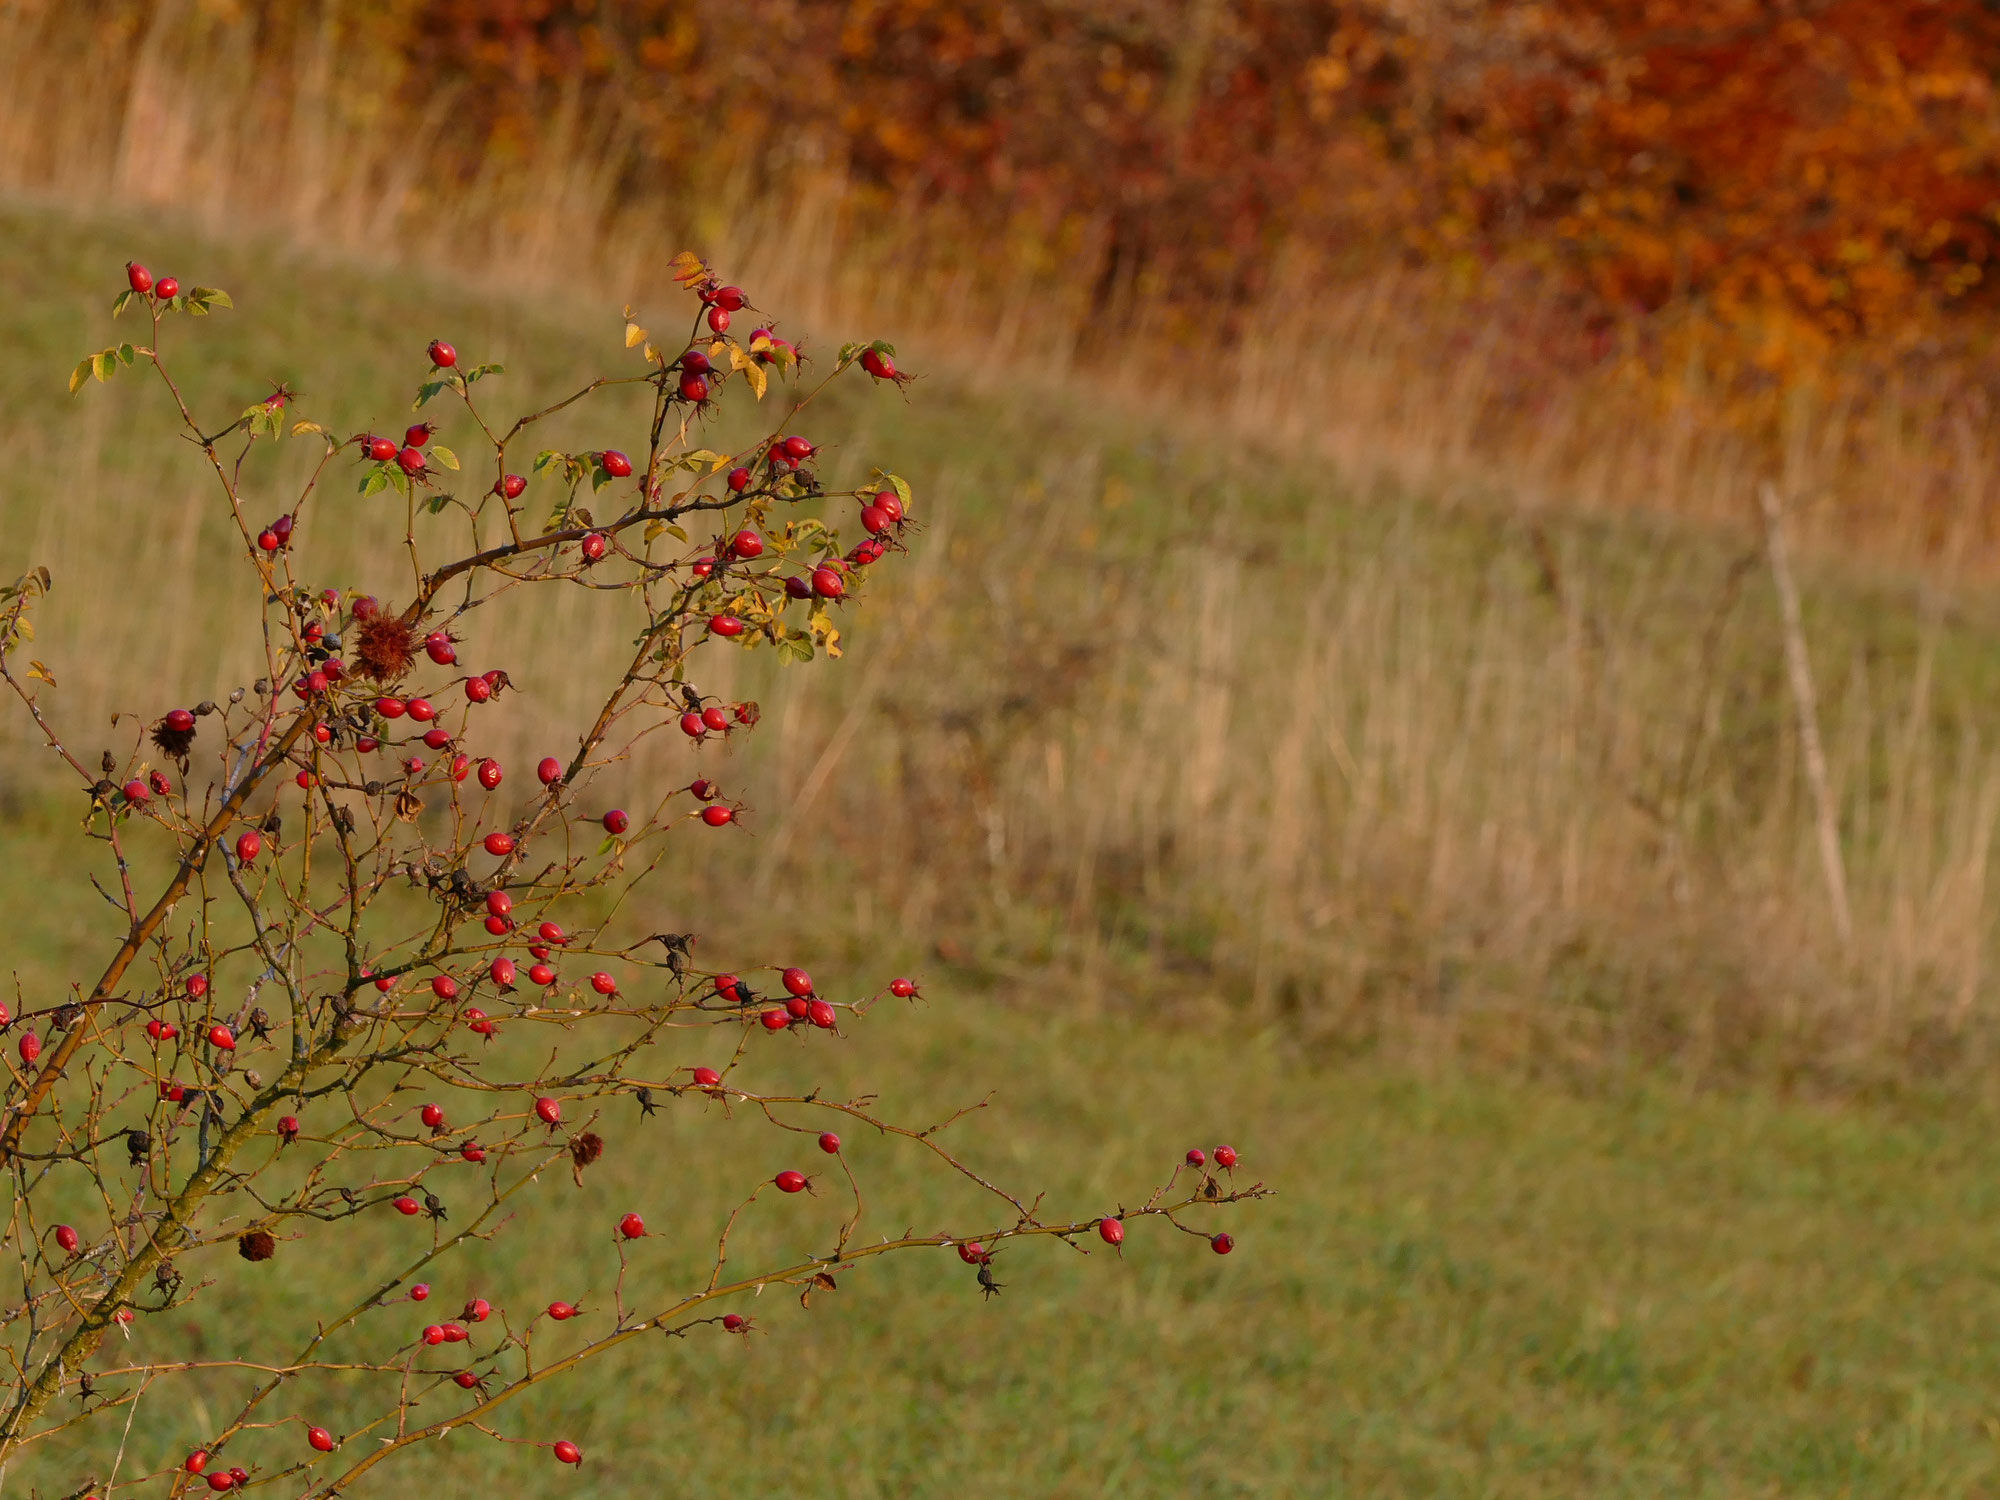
1799 177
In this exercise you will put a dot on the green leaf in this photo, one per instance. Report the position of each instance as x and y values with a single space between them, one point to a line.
104 364
445 456
123 297
548 458
437 502
479 370
125 353
376 482
427 390
206 297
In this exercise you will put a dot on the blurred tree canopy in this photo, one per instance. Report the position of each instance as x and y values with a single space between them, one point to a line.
1804 176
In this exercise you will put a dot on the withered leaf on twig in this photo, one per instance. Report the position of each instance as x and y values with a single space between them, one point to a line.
258 1244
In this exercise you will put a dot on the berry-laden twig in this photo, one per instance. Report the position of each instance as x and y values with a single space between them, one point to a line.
361 904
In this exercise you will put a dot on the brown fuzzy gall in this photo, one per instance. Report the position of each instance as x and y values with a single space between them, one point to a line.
586 1148
384 647
258 1244
173 742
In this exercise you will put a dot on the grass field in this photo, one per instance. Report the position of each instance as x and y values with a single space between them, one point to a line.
1548 1256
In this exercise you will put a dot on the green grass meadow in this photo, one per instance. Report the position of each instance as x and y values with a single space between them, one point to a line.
1474 1279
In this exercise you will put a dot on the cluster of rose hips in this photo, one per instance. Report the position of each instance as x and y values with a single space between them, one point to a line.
408 456
142 282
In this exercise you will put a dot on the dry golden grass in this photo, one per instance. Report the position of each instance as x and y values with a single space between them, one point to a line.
1360 715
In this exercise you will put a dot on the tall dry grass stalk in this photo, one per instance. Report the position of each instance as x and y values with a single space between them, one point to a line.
1473 775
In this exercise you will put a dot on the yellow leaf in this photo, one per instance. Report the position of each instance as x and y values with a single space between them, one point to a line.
688 268
753 371
79 375
634 335
299 427
41 673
